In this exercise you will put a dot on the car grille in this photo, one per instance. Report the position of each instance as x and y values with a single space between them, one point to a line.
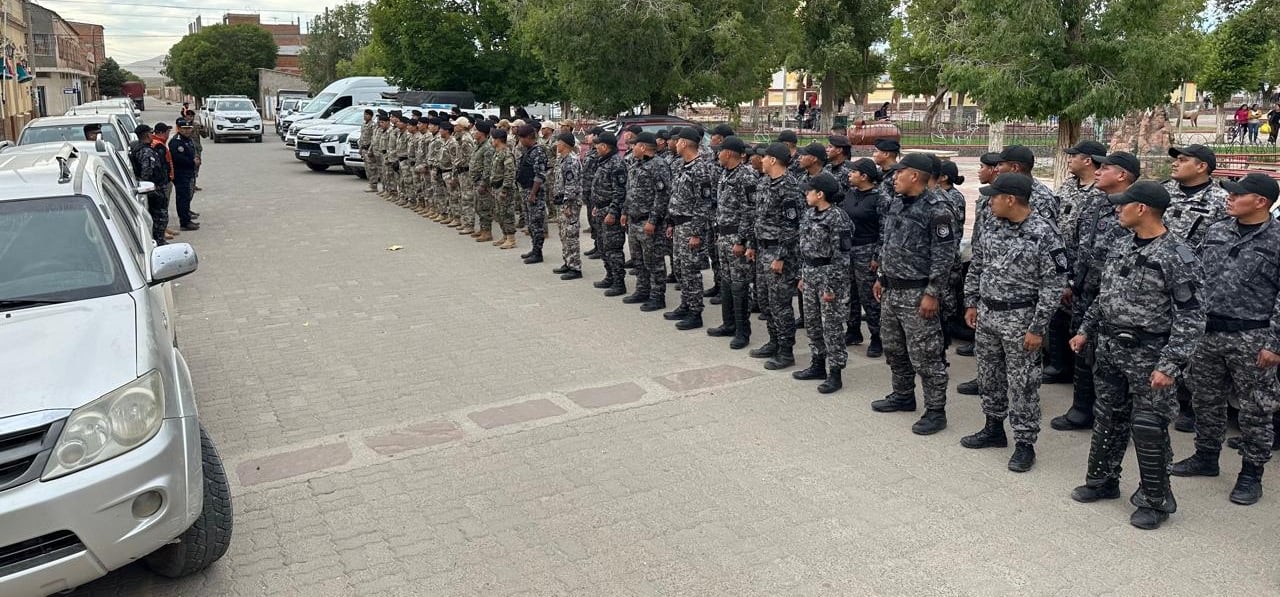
28 554
238 119
304 146
24 453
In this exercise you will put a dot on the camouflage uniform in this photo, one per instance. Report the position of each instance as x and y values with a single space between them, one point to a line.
404 182
648 189
916 252
368 135
735 215
863 208
462 177
502 182
1015 282
1097 229
416 142
568 186
482 161
608 192
690 213
1146 318
841 173
391 176
448 183
1242 295
954 297
434 184
1189 216
634 248
774 235
532 169
826 237
1043 201
594 219
521 205
1073 200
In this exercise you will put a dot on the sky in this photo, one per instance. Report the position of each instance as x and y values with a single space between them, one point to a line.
141 29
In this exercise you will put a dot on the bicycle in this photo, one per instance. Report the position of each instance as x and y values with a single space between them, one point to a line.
1235 134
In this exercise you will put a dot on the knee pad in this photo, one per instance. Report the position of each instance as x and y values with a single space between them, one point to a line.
1147 427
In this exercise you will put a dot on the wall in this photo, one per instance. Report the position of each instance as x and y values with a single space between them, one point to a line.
269 82
15 110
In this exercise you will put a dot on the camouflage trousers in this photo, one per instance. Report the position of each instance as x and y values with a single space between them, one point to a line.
1122 381
390 176
824 321
571 235
612 238
1008 375
913 345
372 167
862 300
485 207
504 201
688 265
733 270
779 290
634 249
1223 365
467 207
710 241
452 194
651 270
535 217
406 184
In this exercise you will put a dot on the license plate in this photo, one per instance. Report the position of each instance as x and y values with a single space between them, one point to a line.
304 154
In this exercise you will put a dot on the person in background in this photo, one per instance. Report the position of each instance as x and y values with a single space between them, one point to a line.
182 154
92 132
882 113
1273 120
1242 122
1255 123
198 131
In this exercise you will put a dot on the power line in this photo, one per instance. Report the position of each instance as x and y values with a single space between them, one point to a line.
189 7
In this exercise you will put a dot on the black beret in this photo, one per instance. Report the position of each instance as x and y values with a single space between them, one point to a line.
368 111
646 138
500 134
417 113
779 151
734 144
484 126
723 130
691 134
446 126
788 136
382 112
526 130
567 139
595 130
888 145
384 117
664 134
607 138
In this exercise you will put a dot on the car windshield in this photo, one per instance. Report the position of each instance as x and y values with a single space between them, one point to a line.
355 117
318 103
82 264
234 106
67 132
288 104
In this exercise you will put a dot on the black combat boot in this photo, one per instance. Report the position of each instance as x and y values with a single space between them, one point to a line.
965 350
1024 457
657 302
692 321
1096 489
619 287
875 350
969 388
526 255
572 274
728 325
1248 489
783 359
1100 482
605 283
713 291
895 403
741 318
1154 498
817 369
535 256
1201 464
990 436
933 421
1080 415
853 335
594 253
767 351
563 269
636 298
679 313
834 381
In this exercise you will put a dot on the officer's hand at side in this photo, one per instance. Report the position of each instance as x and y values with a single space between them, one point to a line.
776 266
971 317
1077 342
751 255
671 232
595 213
1032 342
1160 381
1066 296
1267 359
800 285
695 242
828 297
739 250
928 307
649 228
876 289
875 265
623 221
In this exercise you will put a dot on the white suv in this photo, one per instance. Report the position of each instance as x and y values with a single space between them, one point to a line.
235 118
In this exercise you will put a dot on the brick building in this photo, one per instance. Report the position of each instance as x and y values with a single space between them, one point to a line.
65 71
288 36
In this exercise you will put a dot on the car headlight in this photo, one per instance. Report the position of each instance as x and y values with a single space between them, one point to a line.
110 426
335 138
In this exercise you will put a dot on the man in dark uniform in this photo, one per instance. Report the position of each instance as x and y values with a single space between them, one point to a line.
648 187
531 174
825 241
589 163
183 150
772 245
608 192
792 143
735 211
886 156
689 214
148 166
839 152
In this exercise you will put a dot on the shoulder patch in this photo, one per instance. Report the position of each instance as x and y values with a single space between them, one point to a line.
1185 254
1059 260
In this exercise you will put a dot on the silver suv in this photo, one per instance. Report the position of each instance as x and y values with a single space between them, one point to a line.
103 460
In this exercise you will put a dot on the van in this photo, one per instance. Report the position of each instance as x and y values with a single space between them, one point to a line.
338 95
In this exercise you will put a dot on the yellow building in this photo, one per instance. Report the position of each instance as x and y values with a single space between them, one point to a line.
15 76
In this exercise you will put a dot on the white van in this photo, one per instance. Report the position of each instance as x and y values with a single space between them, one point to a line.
339 94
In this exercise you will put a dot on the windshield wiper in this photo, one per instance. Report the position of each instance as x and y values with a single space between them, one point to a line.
9 304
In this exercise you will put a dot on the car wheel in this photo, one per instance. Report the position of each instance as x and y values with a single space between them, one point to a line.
207 540
216 138
317 167
257 139
362 174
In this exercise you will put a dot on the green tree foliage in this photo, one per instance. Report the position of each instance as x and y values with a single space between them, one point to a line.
368 61
221 59
458 45
919 48
612 56
111 77
1071 58
333 36
1234 57
836 46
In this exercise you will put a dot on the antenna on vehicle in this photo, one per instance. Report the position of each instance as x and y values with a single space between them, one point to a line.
64 157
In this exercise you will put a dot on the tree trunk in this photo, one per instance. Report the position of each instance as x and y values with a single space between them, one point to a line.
755 115
828 101
1068 135
957 111
1220 125
504 112
995 136
934 106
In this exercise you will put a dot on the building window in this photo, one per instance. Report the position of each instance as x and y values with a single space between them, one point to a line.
42 44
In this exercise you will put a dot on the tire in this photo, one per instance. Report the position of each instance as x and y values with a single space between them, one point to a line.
216 138
362 174
257 139
317 167
208 539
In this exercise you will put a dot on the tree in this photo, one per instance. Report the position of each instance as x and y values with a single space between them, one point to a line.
335 35
1070 59
203 64
111 77
1231 60
367 62
837 37
918 49
661 53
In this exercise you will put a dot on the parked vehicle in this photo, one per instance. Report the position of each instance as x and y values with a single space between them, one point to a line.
136 91
323 145
287 107
129 119
233 117
105 461
72 128
353 161
339 94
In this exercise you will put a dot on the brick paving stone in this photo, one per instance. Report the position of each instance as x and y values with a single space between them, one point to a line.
520 412
613 395
293 463
414 437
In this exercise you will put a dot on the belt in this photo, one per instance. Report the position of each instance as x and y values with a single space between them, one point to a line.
903 284
765 243
726 229
1215 323
819 262
1007 305
638 217
678 220
1132 338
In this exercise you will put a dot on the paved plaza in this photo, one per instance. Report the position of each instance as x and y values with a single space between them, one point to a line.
444 420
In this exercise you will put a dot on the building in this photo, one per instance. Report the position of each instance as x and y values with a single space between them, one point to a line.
288 36
16 77
65 73
93 38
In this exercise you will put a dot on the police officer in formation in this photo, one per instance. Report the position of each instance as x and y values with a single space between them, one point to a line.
649 187
826 240
863 201
735 213
608 193
531 174
771 244
689 213
568 201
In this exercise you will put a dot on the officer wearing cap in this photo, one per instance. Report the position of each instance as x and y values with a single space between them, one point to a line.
886 156
377 153
1241 346
792 141
547 137
412 188
502 182
183 153
391 160
531 175
772 244
568 201
1099 228
812 159
648 189
863 202
1196 201
826 239
480 168
608 193
434 187
465 146
630 160
448 165
917 251
734 212
1018 158
839 152
589 164
1147 320
1013 286
690 213
149 166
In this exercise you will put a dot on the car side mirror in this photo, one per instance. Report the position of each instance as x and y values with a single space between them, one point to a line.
172 261
145 188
